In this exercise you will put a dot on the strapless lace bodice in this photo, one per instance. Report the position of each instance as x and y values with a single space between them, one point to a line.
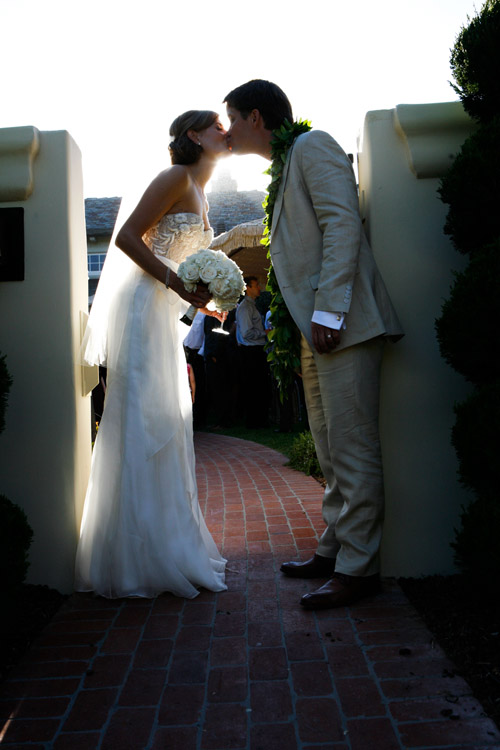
178 235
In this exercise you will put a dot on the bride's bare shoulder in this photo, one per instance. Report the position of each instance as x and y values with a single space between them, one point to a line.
177 175
170 185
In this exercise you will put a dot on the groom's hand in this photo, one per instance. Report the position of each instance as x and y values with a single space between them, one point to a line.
325 340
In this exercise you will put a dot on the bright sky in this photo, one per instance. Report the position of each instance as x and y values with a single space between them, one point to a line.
115 73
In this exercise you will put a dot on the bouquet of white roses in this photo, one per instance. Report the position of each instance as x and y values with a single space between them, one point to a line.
221 274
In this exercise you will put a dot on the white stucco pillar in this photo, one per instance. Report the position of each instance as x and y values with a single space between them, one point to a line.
403 154
45 449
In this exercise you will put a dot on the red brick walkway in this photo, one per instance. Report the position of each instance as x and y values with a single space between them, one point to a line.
246 668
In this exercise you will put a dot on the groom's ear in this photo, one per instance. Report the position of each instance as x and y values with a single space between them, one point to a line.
255 118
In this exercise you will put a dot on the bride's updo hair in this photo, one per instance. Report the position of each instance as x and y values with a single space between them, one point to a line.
182 149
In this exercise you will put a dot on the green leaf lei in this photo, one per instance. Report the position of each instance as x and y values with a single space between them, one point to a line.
284 352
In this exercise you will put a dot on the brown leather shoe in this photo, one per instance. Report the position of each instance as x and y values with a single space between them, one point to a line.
340 591
316 567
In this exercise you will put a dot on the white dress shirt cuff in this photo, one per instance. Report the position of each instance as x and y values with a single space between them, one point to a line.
335 321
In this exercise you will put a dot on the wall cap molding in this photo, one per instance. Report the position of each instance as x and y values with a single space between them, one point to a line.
433 135
18 150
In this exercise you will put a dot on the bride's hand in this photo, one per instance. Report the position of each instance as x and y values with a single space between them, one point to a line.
199 298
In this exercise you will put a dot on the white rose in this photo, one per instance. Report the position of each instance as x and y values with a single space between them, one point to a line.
204 256
208 273
219 287
188 270
221 267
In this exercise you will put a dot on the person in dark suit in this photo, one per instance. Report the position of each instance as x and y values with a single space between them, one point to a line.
252 339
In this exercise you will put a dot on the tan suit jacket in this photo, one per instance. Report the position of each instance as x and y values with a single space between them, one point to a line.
319 250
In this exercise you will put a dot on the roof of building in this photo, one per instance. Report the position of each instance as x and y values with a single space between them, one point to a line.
227 209
100 215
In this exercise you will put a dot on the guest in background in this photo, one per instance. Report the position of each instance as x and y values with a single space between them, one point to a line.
193 346
218 352
252 339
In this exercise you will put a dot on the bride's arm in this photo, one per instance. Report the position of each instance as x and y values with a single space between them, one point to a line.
168 189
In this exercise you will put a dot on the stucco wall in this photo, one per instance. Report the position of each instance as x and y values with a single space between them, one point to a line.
45 450
403 154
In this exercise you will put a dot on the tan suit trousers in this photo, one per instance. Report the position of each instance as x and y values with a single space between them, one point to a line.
342 399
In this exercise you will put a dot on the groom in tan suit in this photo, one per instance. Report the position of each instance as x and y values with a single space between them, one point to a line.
333 289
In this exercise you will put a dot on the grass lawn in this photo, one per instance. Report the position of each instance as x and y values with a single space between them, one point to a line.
270 436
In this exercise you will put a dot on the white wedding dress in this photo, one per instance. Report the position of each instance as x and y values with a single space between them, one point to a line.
142 530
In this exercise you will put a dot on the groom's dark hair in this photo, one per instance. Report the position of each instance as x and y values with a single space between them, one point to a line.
267 97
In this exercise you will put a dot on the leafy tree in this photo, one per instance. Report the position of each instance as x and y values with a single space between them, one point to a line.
475 63
475 439
471 188
477 552
467 330
468 326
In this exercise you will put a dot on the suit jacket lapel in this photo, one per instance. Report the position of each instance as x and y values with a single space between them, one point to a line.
279 197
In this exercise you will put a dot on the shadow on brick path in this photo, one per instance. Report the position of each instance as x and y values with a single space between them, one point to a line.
246 668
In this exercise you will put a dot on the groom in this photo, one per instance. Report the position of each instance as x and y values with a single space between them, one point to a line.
333 289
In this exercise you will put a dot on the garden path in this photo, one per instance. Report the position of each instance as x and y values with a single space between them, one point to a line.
247 668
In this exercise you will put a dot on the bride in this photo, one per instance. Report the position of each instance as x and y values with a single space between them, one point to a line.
142 530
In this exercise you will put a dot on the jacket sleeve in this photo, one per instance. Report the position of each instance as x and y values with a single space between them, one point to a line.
329 181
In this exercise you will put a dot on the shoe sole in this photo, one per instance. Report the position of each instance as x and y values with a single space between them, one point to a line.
319 604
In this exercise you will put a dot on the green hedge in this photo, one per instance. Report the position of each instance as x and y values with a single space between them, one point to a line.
475 439
303 455
471 188
477 551
467 330
15 540
475 63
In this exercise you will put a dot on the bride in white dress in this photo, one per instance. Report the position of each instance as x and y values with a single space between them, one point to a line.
142 530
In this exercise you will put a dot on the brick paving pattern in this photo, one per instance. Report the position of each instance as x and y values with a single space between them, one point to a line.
246 668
